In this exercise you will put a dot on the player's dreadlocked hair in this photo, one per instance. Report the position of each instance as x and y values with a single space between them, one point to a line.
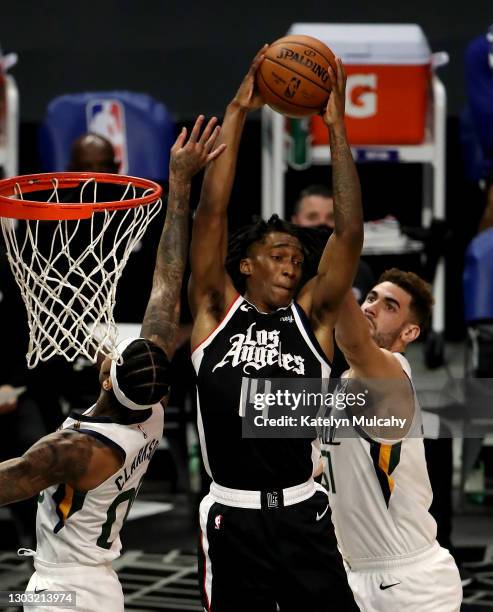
143 377
312 242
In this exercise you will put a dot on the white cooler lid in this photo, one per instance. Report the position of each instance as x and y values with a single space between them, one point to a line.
370 43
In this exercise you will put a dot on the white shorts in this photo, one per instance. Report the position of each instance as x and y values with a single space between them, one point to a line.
427 582
96 587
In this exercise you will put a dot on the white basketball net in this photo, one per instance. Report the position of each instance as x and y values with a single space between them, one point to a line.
69 288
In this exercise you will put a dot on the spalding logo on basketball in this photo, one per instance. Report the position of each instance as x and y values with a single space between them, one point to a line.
293 79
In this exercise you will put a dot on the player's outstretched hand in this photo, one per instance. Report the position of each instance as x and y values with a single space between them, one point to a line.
334 111
247 96
189 156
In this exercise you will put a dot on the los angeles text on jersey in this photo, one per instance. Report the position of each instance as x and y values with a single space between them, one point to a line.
144 454
260 348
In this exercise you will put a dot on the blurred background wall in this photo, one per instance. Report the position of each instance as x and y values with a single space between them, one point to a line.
191 53
192 56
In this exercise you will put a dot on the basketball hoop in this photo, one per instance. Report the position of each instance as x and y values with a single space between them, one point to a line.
67 252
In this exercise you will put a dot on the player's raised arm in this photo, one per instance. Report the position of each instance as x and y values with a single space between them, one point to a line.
353 336
66 456
369 355
187 158
340 258
210 287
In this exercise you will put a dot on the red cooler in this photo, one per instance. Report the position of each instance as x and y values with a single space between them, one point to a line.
389 69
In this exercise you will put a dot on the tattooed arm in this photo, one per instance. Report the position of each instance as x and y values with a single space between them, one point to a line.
322 297
64 456
162 314
210 289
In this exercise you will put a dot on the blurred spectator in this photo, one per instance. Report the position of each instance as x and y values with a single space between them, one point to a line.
93 153
479 79
479 85
314 208
487 217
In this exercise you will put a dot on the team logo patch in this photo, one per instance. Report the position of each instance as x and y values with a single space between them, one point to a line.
272 500
107 118
292 87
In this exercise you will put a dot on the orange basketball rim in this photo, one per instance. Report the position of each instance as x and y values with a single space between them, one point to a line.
67 260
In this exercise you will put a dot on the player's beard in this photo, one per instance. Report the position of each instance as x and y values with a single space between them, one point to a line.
386 340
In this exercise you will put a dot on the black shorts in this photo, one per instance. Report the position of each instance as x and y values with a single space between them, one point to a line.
258 559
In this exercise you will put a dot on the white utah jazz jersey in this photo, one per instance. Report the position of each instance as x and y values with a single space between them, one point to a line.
379 494
84 527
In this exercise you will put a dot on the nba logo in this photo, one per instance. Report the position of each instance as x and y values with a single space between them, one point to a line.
107 118
292 87
218 521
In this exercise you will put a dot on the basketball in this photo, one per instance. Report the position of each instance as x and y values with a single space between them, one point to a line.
293 79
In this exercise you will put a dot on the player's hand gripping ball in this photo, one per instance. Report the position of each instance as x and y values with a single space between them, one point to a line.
293 79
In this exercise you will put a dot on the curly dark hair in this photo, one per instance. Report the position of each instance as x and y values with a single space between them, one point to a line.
420 291
312 242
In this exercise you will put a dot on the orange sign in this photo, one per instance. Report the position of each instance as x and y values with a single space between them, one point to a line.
384 105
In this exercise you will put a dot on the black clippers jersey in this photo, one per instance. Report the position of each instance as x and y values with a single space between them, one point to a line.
248 343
